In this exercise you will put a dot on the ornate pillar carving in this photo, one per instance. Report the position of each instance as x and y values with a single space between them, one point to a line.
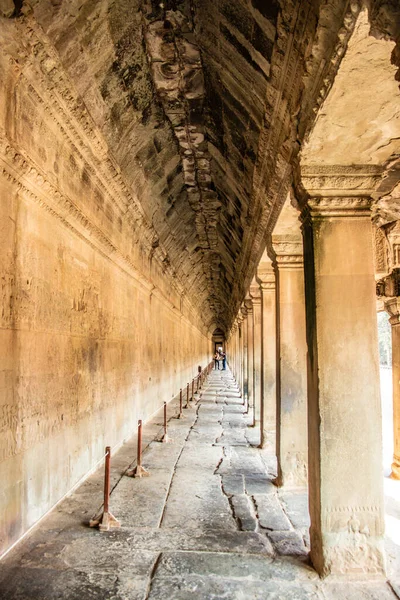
250 354
344 412
291 434
393 308
255 294
266 279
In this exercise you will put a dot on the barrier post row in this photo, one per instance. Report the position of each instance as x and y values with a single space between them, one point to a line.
181 415
139 470
193 389
187 396
165 438
106 519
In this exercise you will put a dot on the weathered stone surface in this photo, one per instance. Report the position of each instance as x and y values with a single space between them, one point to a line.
270 513
288 543
180 534
200 587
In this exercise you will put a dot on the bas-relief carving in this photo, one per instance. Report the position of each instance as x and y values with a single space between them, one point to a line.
351 541
295 469
52 90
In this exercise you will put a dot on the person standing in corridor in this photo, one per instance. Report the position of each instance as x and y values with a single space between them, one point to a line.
223 355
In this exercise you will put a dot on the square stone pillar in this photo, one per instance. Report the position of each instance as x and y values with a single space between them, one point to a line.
393 308
344 411
291 434
245 354
255 294
240 378
266 279
250 354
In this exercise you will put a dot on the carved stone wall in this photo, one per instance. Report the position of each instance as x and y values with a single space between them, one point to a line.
95 331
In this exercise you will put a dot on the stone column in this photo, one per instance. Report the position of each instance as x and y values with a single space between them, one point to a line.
250 354
291 434
266 279
240 369
344 411
393 308
245 354
234 350
255 294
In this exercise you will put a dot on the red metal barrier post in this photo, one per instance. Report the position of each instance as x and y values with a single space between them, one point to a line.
106 520
139 470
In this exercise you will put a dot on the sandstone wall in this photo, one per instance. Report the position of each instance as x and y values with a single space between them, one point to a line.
95 332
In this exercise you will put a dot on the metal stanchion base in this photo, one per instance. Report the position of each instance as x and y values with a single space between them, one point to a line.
138 471
105 521
166 439
180 416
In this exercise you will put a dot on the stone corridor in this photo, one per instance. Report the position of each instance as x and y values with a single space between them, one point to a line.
208 523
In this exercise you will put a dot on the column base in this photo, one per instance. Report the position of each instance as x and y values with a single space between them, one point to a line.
268 440
348 553
292 472
395 474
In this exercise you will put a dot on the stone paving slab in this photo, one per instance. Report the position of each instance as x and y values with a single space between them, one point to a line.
270 513
196 501
208 523
357 591
296 508
185 588
232 565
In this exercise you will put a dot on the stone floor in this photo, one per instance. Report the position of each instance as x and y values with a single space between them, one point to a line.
208 523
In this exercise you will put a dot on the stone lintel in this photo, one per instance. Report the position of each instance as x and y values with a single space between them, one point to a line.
340 180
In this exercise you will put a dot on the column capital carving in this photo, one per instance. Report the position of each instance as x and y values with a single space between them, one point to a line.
288 251
249 305
392 306
336 206
338 190
255 293
266 277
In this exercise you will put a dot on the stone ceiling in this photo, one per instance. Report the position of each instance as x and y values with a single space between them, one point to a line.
359 123
203 106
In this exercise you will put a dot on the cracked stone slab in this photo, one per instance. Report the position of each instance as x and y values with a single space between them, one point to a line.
243 513
233 566
208 459
196 501
48 584
270 513
259 484
296 508
167 540
233 484
288 543
185 588
139 502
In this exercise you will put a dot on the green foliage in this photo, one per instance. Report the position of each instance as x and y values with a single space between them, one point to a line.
385 339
